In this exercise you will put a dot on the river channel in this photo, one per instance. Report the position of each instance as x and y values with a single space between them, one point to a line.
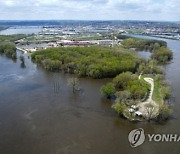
39 114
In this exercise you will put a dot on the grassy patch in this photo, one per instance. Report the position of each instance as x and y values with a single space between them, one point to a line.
158 92
157 95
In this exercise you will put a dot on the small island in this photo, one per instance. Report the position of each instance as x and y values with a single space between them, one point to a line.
142 95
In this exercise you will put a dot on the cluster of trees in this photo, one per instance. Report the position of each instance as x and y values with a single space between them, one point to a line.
11 38
149 67
158 48
120 108
108 90
9 49
143 44
126 87
7 45
122 37
162 54
94 61
129 90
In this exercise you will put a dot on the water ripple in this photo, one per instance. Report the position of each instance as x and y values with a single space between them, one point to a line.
11 77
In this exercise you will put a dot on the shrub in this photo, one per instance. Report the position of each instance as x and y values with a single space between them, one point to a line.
108 90
164 112
162 54
119 108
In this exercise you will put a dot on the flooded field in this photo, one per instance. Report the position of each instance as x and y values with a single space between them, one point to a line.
21 30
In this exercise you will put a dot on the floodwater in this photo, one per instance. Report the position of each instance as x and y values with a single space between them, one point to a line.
39 114
21 30
144 54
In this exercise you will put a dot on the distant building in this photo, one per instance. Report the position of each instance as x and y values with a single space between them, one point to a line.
105 42
108 42
73 43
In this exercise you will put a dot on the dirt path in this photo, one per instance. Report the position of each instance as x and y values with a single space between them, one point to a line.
149 108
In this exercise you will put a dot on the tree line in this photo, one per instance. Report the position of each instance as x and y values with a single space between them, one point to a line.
94 61
9 49
7 46
158 48
142 44
126 87
11 38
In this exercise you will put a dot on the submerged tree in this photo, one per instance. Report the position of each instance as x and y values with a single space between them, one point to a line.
22 61
74 83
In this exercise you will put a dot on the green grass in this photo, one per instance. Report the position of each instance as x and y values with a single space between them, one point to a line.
148 86
157 94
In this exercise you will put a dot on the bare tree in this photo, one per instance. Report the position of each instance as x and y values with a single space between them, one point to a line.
150 110
74 83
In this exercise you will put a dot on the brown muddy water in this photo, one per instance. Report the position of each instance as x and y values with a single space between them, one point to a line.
37 117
